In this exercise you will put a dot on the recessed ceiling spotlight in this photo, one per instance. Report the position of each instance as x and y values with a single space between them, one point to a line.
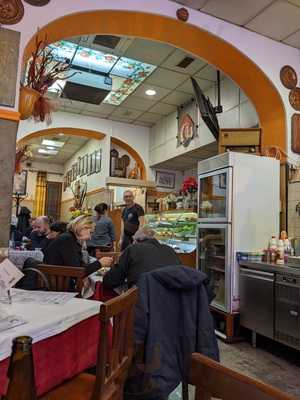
150 92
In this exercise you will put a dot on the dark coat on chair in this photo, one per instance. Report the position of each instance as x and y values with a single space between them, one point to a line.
172 320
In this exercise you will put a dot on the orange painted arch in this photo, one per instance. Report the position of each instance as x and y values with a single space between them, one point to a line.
214 50
91 134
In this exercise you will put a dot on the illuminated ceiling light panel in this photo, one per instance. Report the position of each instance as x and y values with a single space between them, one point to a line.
140 71
57 86
48 152
132 71
52 143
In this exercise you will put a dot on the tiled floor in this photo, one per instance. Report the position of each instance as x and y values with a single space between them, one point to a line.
271 363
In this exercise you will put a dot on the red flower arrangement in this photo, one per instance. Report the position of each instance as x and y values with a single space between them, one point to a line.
190 185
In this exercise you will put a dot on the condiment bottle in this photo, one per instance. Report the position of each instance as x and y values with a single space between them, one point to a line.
280 253
21 371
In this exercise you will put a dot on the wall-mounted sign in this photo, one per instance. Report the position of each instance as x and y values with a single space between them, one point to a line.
187 124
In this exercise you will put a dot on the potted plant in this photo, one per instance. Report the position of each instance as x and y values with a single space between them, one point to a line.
43 70
189 189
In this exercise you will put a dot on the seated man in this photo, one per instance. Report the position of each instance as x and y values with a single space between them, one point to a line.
39 234
145 255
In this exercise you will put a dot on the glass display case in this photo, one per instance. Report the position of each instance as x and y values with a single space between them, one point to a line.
176 228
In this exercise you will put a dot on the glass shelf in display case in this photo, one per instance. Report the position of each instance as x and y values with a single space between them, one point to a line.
176 228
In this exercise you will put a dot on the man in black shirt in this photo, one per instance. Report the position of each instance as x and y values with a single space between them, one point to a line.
145 255
132 219
39 234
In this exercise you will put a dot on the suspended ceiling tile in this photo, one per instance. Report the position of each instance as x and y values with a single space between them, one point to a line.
208 72
129 114
293 40
165 78
236 11
160 92
163 109
176 98
149 117
149 51
121 119
137 103
143 123
187 86
177 57
102 109
278 21
197 4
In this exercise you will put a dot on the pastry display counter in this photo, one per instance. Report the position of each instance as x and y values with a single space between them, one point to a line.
177 229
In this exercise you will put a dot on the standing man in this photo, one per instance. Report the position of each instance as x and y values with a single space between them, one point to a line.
132 219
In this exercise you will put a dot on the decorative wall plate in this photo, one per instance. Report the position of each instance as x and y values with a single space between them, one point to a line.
296 133
11 11
182 14
294 98
288 77
38 3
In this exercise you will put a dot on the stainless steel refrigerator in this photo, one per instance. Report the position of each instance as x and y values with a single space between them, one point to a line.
238 211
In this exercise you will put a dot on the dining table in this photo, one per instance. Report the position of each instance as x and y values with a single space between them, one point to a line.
18 257
65 336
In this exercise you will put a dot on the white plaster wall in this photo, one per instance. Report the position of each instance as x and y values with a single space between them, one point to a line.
238 112
269 55
134 135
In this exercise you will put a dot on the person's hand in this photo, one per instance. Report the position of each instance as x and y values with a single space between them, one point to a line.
106 262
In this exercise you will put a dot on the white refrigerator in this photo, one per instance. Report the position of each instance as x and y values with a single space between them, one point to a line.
238 211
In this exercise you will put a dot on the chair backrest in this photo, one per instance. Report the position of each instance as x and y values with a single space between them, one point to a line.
114 358
61 278
213 380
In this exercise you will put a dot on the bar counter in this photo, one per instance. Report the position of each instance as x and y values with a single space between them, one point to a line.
273 268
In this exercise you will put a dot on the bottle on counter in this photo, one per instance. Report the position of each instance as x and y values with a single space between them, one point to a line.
273 249
280 253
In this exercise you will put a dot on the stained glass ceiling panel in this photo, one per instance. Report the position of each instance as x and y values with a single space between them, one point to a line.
130 73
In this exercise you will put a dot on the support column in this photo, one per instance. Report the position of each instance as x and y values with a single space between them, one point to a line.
8 134
9 59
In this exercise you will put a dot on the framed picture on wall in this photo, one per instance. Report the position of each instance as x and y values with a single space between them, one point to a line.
81 166
165 179
86 164
20 183
98 155
90 162
94 162
69 178
74 172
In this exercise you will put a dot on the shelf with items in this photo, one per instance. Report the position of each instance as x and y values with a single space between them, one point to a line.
175 228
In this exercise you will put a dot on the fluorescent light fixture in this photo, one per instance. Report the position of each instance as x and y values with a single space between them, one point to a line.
61 134
48 152
150 92
52 143
50 148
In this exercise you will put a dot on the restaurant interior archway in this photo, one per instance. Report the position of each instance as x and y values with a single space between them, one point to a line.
214 50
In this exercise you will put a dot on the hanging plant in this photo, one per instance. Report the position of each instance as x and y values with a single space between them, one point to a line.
42 72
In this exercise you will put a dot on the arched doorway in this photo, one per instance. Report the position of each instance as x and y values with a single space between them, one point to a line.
214 50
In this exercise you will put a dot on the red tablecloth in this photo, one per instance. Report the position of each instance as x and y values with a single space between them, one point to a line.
62 356
102 294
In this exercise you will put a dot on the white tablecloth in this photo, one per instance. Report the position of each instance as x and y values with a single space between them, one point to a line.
18 257
44 321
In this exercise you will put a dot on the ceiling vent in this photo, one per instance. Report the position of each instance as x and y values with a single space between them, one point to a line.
185 62
109 41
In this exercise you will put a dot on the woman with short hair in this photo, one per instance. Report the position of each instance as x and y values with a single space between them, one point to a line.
66 249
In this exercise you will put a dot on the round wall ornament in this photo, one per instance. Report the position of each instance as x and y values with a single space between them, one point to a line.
288 77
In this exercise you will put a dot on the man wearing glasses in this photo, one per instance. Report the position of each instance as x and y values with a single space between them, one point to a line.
132 219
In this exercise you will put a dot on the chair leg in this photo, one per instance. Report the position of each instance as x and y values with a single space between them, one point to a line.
185 391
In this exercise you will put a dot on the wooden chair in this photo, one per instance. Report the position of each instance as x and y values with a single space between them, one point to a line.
59 278
214 381
113 360
114 254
